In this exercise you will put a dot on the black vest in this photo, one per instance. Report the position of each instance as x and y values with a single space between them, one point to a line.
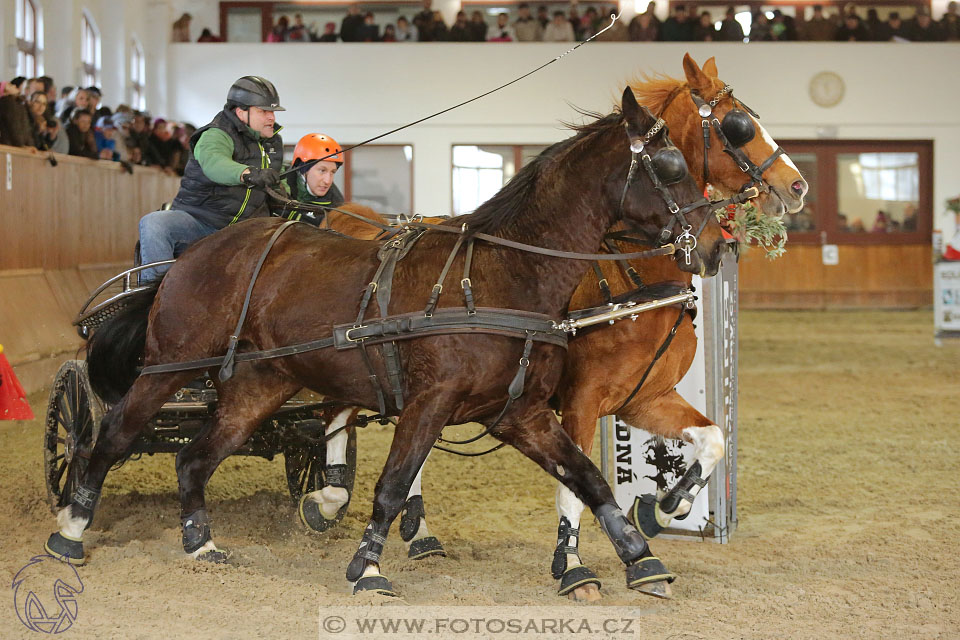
219 205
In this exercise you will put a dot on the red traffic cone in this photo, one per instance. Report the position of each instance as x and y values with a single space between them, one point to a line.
13 400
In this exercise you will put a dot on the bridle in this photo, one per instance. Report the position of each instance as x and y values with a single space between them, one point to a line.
736 130
685 241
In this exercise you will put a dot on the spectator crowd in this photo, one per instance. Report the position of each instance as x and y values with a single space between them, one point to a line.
842 24
74 121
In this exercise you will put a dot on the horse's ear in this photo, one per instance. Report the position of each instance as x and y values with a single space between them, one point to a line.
710 67
696 78
638 119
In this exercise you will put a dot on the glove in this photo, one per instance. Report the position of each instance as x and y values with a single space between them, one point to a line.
261 178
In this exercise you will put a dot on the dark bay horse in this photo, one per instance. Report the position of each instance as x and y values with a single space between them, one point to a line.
604 366
308 284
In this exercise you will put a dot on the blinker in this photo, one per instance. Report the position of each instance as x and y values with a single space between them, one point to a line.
669 165
738 127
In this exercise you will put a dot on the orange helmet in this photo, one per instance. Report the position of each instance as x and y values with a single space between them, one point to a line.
314 146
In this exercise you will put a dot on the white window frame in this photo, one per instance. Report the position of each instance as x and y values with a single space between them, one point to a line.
138 66
28 37
89 50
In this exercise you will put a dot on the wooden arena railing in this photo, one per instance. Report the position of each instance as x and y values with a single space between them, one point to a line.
66 228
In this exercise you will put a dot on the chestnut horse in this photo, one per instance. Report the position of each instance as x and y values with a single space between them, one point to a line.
307 285
604 366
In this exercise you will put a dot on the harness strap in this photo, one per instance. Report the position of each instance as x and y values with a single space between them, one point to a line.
656 357
438 287
226 368
630 271
465 282
602 282
514 391
391 356
502 322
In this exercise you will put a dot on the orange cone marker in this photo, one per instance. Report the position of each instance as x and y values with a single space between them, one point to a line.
13 400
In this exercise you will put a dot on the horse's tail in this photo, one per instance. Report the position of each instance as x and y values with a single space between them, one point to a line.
116 348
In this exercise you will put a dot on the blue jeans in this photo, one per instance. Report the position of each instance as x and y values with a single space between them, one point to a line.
165 235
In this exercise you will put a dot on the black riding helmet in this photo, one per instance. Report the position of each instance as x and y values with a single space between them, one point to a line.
254 91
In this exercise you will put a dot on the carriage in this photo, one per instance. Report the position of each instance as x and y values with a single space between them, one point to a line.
72 422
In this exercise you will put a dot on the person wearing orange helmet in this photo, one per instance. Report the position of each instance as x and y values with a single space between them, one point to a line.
313 184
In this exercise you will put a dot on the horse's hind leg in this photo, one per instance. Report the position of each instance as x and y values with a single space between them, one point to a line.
671 416
244 402
413 524
417 429
538 436
118 430
319 510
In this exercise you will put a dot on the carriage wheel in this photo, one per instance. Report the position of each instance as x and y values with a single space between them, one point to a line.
305 466
72 423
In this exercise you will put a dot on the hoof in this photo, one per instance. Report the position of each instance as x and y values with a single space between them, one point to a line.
312 518
576 582
68 550
216 556
586 593
648 575
426 547
377 584
659 589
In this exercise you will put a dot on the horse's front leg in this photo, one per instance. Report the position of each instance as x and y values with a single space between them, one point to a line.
671 416
413 524
538 436
417 429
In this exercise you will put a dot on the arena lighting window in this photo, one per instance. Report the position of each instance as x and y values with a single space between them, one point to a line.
863 192
28 34
90 50
138 99
480 171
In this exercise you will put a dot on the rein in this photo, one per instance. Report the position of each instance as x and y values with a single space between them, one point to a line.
416 223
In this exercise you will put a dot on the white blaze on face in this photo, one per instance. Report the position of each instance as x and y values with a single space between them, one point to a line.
773 146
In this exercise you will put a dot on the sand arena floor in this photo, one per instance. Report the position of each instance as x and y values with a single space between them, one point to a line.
849 515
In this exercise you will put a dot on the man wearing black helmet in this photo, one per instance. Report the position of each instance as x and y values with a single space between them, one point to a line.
231 160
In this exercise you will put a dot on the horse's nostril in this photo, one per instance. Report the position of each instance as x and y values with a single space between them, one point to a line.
799 187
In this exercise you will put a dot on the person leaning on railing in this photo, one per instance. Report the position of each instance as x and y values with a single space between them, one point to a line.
236 152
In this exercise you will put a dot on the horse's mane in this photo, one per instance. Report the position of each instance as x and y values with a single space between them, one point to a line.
654 91
514 198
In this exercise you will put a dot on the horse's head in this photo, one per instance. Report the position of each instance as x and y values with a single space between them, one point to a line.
726 144
660 199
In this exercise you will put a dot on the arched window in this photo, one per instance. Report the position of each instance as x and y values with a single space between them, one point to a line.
27 30
90 51
138 98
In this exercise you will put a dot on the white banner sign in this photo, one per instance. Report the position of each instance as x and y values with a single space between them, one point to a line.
946 297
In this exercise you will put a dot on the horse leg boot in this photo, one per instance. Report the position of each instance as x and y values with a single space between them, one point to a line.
540 438
413 524
651 514
319 510
244 402
577 581
417 429
118 430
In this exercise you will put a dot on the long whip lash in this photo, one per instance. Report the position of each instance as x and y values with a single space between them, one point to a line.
306 165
